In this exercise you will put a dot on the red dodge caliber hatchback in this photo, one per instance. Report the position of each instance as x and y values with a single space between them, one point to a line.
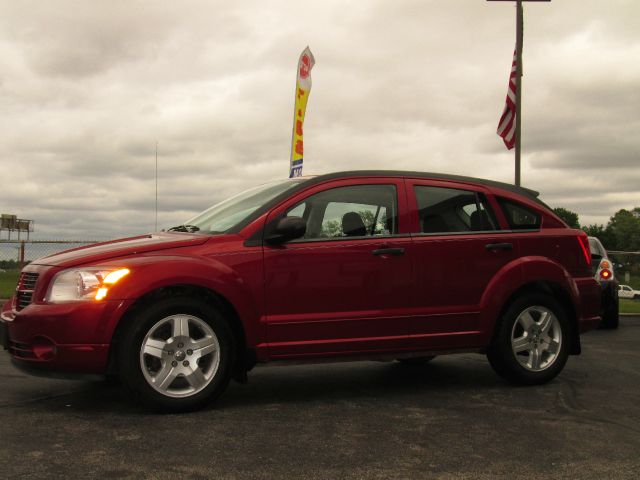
367 264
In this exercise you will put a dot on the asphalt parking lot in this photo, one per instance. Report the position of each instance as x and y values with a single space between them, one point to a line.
453 418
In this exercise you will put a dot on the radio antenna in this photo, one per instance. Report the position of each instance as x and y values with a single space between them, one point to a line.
156 187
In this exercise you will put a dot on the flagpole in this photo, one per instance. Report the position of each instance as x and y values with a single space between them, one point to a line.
519 42
518 81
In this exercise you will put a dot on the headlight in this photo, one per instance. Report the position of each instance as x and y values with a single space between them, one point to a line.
83 284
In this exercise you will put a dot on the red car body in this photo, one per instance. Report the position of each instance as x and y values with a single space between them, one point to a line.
402 294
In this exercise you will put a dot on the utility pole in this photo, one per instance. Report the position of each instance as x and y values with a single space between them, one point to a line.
519 45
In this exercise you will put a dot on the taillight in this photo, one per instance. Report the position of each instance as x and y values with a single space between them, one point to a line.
583 240
605 274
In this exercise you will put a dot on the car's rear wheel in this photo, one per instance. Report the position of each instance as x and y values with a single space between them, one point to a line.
531 342
176 354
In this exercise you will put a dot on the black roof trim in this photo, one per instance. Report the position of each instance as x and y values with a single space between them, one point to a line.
532 194
431 176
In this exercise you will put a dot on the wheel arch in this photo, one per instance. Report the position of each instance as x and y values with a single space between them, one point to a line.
244 357
560 294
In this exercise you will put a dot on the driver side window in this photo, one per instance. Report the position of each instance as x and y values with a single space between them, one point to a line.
354 211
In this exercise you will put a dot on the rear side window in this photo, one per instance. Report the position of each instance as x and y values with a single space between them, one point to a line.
596 247
451 210
519 216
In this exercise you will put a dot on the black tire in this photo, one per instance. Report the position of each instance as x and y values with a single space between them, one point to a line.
139 327
416 361
501 352
610 315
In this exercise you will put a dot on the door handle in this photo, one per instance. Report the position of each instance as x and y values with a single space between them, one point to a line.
499 246
388 251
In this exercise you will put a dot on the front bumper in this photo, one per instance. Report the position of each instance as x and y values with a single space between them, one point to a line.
65 338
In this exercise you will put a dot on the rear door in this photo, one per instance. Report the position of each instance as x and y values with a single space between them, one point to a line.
458 249
344 287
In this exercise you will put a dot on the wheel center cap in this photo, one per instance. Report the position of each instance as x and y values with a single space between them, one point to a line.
180 355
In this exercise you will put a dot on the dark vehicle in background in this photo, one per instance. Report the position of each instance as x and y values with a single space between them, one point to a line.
350 265
603 271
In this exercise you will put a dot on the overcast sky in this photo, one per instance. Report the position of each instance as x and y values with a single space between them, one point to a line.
87 88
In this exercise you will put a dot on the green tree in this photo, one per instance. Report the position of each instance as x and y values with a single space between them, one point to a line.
331 229
604 234
626 229
569 217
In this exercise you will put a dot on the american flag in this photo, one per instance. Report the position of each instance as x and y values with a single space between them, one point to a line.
507 124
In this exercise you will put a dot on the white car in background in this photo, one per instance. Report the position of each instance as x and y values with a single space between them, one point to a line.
625 291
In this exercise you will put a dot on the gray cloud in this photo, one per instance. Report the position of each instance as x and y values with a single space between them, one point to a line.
87 89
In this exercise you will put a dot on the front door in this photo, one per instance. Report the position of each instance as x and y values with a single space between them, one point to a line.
343 288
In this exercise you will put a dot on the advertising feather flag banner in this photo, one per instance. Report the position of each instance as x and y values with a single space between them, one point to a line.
303 87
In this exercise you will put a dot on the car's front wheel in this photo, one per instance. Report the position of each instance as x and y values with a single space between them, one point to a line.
531 342
176 354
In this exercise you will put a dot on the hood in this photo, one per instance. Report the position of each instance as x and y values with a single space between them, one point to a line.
98 252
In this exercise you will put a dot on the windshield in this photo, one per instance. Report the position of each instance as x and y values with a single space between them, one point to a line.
228 213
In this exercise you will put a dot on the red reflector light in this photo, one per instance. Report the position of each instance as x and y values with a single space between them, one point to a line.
583 240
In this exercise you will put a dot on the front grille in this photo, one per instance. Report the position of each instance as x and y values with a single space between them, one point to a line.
24 299
28 280
24 291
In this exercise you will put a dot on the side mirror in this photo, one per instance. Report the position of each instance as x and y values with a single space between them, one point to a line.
287 228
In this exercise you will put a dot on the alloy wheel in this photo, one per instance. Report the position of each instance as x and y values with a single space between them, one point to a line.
536 338
180 355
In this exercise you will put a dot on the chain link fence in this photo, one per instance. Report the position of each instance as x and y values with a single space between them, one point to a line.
14 254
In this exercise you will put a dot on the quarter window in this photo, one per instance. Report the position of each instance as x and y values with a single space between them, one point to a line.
450 210
519 216
354 211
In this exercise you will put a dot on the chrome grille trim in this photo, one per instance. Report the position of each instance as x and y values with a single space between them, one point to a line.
24 291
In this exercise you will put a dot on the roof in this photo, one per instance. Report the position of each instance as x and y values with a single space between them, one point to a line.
434 176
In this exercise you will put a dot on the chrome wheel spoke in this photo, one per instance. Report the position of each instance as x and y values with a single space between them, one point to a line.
520 344
526 320
545 322
154 347
535 358
204 346
196 378
165 377
180 326
553 347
